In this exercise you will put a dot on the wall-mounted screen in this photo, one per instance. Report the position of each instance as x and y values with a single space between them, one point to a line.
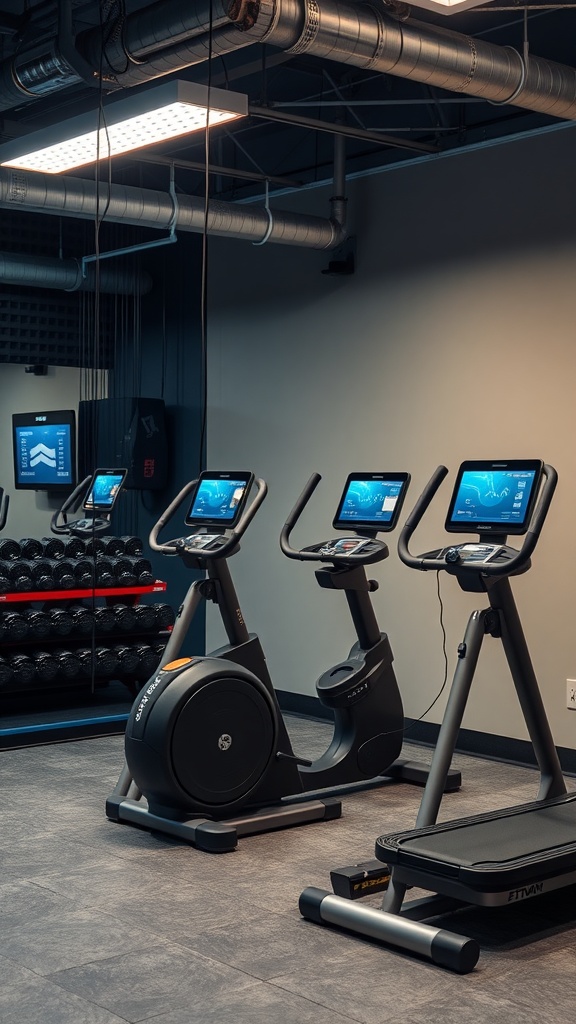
494 497
44 450
371 501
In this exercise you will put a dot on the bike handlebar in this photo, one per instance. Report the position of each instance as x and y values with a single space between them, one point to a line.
174 547
4 503
71 504
293 518
488 569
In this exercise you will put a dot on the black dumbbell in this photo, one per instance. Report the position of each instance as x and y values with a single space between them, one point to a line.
74 547
19 576
6 672
9 549
15 627
165 616
30 547
41 569
141 570
145 617
84 573
82 619
68 663
61 621
112 546
106 661
52 547
105 575
62 570
104 619
46 666
123 572
132 545
23 668
125 618
147 661
94 545
128 659
39 624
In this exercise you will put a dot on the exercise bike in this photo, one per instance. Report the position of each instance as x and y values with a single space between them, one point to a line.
98 494
205 743
505 856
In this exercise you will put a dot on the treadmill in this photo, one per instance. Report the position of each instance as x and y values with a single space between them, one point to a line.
504 856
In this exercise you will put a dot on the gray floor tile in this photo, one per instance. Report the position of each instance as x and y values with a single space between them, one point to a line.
260 1004
162 978
27 999
70 937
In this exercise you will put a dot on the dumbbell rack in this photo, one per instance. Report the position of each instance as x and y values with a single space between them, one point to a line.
40 648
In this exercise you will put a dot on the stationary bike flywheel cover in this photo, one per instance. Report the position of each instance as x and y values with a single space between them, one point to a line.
224 739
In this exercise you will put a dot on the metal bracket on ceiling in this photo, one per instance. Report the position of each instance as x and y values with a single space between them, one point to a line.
268 231
67 46
139 246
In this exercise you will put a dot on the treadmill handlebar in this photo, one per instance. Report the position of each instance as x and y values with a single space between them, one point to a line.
487 569
173 547
4 503
70 505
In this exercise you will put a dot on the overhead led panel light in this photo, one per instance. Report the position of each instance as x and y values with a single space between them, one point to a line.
448 6
167 111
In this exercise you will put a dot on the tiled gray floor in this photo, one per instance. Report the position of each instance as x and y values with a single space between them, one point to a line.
103 924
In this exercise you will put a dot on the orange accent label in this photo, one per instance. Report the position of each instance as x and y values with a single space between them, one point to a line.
176 664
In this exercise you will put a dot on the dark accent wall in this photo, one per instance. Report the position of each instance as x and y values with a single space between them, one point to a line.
165 361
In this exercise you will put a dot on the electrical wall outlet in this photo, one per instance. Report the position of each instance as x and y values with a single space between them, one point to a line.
571 694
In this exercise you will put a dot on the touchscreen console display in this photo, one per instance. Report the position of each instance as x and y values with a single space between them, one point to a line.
371 501
104 489
219 499
495 497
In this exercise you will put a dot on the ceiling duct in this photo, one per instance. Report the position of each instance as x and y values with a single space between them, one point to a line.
66 275
169 35
78 197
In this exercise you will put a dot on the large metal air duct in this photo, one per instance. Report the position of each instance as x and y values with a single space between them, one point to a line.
169 35
363 35
77 197
66 275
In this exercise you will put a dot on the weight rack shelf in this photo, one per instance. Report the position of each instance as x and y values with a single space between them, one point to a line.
68 595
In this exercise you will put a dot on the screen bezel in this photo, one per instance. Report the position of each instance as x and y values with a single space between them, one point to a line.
98 473
223 524
369 524
497 528
63 417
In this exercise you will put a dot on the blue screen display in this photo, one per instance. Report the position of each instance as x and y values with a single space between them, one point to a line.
104 490
370 501
43 454
500 498
217 500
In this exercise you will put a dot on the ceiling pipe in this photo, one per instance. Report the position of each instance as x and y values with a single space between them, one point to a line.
78 197
169 35
363 35
66 275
